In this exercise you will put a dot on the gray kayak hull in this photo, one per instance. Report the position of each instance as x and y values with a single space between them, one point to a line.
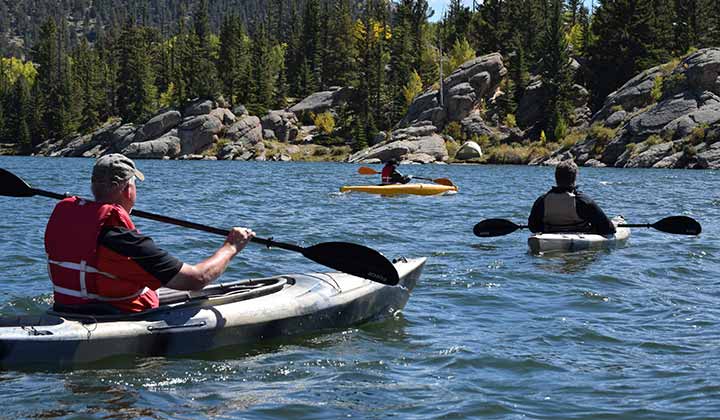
224 315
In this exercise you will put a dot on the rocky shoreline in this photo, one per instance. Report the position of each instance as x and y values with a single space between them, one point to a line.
665 117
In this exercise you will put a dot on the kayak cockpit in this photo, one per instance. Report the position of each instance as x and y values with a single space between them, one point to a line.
216 294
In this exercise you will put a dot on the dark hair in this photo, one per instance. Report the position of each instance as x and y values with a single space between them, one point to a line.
566 173
392 162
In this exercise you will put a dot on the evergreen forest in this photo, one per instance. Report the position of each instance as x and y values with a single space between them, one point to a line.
67 66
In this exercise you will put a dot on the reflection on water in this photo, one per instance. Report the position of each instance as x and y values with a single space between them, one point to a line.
484 247
569 262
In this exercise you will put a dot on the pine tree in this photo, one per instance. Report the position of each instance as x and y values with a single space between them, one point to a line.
88 77
555 72
277 27
108 62
618 55
420 33
44 55
311 48
684 25
660 44
490 27
294 58
518 71
3 88
136 91
19 106
457 22
324 46
584 18
372 42
263 78
55 82
181 59
234 60
527 20
2 116
341 59
203 81
692 23
401 57
713 16
281 86
573 8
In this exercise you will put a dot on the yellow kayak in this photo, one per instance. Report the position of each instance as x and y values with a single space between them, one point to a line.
397 189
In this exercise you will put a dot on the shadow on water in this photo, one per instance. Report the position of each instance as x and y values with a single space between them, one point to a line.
568 262
484 247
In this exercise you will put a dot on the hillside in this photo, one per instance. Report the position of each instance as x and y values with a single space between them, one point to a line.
21 19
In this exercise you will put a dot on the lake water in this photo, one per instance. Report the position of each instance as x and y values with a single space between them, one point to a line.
491 331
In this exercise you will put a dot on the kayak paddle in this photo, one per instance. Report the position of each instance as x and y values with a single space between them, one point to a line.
680 225
364 170
346 257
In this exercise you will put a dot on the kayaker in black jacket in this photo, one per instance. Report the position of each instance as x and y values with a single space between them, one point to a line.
390 174
565 209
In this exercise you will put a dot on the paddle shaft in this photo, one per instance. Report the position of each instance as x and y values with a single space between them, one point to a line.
681 225
184 223
637 225
624 225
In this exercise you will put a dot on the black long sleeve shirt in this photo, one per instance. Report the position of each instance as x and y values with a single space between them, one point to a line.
585 207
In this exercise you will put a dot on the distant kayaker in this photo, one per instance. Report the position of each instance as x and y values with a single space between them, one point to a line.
100 264
390 174
565 209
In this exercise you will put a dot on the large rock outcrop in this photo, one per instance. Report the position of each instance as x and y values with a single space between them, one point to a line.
323 101
420 144
417 138
282 124
665 117
463 91
169 134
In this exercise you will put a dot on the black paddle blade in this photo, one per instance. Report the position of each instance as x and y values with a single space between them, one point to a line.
12 186
354 259
681 225
495 227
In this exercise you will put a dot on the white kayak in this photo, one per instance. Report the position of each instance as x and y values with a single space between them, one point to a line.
567 242
221 315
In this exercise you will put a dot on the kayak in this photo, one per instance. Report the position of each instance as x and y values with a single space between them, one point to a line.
221 315
398 189
558 242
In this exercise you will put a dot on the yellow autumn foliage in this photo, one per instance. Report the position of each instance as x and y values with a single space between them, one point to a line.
13 67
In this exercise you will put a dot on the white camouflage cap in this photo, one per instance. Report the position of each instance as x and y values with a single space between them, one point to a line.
115 169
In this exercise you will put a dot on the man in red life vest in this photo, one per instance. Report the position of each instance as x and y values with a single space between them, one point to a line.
100 264
390 174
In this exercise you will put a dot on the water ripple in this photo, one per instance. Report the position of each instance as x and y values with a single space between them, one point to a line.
490 332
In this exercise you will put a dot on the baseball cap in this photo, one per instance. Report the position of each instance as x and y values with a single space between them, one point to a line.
115 168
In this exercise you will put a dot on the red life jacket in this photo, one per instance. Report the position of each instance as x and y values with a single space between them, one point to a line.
71 242
386 175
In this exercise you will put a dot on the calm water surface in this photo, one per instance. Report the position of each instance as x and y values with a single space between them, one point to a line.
490 332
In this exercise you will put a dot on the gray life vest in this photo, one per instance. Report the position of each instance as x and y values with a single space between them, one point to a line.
561 214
